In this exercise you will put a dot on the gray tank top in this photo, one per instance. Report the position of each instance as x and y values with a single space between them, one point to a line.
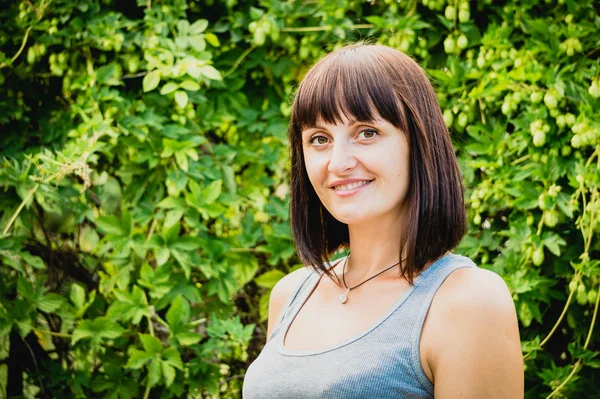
380 362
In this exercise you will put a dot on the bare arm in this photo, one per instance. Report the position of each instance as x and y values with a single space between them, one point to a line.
479 353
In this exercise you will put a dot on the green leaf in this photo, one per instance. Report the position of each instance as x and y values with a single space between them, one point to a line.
25 288
169 88
97 329
553 242
151 81
184 260
183 27
197 42
172 217
77 295
181 98
151 344
269 279
181 159
88 239
178 313
35 261
154 373
199 26
110 74
168 373
112 330
172 357
187 338
170 203
211 192
212 39
210 72
110 225
229 179
138 359
50 302
162 255
190 85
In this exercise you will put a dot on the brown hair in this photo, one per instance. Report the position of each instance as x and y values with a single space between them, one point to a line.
362 82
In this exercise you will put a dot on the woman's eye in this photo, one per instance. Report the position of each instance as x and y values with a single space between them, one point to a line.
319 141
369 133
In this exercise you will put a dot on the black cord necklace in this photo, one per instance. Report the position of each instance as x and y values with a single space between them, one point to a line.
344 296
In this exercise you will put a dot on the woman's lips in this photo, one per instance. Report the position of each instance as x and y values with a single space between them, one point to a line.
346 193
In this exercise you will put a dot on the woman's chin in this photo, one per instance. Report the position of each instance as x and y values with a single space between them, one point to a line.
352 217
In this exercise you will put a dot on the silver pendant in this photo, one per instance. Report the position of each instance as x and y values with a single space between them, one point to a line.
344 296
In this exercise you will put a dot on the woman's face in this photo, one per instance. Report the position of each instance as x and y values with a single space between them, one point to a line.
360 171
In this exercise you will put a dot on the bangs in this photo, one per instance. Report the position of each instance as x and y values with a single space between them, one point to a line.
348 85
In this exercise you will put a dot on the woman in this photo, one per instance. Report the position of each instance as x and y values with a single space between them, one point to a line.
373 170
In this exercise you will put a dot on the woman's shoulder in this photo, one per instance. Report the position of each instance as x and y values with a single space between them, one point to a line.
469 284
471 300
473 319
282 293
290 282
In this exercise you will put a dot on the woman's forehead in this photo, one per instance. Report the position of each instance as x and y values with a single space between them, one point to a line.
348 120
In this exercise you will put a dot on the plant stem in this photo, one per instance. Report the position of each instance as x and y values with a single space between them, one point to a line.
239 60
558 388
54 334
560 318
151 331
20 49
587 340
14 216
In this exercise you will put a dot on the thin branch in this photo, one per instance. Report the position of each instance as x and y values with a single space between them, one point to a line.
14 216
54 334
558 388
20 49
135 75
24 340
239 60
576 277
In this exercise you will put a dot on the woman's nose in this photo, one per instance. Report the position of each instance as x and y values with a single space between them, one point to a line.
342 158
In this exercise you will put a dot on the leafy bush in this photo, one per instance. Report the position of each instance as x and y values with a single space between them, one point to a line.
145 165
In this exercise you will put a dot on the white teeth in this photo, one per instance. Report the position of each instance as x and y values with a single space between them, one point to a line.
352 186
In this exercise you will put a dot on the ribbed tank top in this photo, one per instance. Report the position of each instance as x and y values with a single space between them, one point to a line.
382 361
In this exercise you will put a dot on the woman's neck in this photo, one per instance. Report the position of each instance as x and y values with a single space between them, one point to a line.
373 248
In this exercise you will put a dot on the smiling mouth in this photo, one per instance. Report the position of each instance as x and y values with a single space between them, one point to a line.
352 186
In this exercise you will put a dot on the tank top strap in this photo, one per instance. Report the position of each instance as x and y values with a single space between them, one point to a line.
421 299
297 299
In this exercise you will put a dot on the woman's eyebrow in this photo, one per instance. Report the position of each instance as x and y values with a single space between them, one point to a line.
352 122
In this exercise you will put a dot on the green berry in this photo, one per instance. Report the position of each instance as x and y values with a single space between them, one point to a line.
594 89
448 117
582 297
463 119
462 42
539 138
538 256
551 218
536 97
544 201
449 45
573 285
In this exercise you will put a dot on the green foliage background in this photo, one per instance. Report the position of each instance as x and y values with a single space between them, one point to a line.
144 179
